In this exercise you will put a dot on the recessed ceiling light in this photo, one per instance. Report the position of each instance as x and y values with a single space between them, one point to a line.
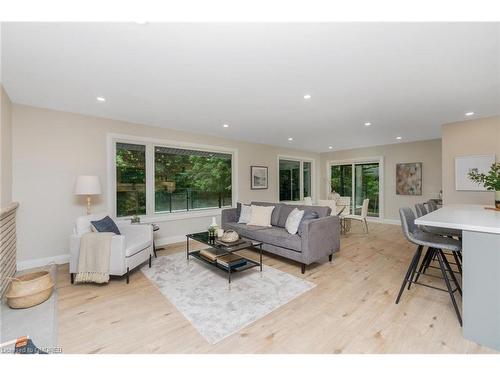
307 96
368 123
399 138
101 99
330 147
141 22
225 125
290 139
469 114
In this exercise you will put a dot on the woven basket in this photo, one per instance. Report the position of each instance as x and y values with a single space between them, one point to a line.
230 236
29 290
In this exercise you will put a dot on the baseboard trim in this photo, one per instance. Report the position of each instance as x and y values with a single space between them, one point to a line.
40 262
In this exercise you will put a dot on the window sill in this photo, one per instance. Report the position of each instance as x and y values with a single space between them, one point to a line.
184 215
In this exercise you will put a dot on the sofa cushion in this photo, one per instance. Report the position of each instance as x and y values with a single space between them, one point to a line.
287 208
279 237
276 211
244 230
308 215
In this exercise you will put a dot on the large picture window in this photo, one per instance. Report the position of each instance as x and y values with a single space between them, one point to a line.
188 180
295 179
159 179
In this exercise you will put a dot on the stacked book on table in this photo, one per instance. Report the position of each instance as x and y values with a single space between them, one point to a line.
223 258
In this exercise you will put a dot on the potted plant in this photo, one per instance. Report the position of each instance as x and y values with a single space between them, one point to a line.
490 180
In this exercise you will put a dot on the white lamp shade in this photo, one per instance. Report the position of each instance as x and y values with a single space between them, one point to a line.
87 185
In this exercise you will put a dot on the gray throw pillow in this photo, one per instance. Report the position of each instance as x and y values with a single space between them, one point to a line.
308 216
293 220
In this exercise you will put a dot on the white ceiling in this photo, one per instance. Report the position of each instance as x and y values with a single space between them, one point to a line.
406 79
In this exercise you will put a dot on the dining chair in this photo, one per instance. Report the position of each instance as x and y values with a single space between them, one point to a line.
346 203
363 216
436 242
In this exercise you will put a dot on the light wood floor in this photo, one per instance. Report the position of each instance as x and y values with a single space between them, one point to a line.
351 310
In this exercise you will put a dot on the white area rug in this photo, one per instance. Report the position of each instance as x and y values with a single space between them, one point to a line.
202 293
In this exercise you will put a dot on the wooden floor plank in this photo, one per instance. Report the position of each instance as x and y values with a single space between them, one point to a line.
351 310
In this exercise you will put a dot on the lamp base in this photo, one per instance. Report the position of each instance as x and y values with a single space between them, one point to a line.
89 199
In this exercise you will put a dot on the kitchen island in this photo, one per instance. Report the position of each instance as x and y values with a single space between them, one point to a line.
481 267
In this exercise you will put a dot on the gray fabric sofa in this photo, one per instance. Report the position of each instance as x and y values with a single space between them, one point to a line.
316 238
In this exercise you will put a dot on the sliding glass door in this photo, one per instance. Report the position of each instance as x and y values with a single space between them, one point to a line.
358 181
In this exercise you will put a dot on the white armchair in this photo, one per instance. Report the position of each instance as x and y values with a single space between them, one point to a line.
133 247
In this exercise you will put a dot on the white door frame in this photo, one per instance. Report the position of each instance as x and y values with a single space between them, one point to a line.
352 162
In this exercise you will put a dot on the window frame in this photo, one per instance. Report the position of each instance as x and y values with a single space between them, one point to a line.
301 177
150 144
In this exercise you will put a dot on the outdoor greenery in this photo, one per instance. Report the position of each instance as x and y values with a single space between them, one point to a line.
490 180
289 180
341 180
366 184
130 179
182 181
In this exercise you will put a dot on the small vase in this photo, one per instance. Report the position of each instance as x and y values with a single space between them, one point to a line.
497 199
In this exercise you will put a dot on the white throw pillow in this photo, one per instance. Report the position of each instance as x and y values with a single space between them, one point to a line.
293 220
245 214
261 216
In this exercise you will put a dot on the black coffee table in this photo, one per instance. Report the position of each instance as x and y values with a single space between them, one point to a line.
204 238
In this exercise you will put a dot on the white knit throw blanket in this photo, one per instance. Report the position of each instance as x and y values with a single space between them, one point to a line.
93 263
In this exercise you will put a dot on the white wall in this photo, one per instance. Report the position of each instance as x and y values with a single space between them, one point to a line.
473 137
5 149
51 147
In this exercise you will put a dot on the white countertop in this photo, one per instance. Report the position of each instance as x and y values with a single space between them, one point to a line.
469 217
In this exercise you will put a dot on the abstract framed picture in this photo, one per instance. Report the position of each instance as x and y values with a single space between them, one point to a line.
465 164
258 178
409 179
